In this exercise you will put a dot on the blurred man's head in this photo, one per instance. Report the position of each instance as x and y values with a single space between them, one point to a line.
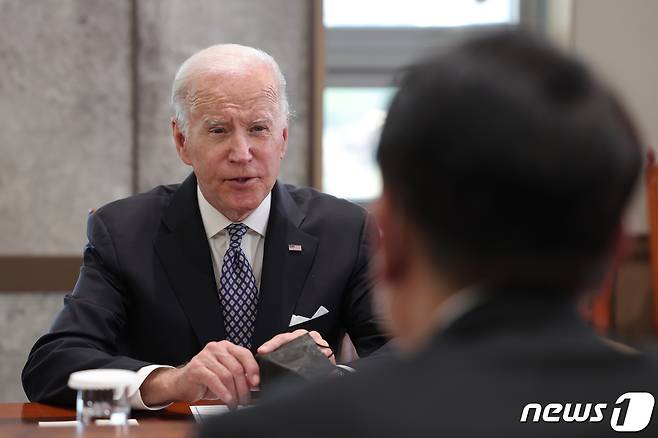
230 125
505 164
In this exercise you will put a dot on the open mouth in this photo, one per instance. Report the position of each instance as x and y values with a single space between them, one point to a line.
242 180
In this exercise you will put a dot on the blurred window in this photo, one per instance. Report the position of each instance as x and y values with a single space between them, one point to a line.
353 117
418 13
367 42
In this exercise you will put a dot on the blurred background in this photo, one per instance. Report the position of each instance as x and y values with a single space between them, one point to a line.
84 116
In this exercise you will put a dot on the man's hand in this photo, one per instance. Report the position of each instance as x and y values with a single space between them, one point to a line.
221 370
284 338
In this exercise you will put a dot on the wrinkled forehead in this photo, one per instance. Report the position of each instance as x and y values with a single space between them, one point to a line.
253 89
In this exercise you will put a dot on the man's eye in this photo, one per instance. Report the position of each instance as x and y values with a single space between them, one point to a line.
217 130
259 128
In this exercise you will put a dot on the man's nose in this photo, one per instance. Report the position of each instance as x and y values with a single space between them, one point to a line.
240 149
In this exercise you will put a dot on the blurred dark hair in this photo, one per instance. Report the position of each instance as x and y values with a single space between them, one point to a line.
512 160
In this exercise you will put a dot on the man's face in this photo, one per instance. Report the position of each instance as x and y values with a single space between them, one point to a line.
407 292
385 266
236 138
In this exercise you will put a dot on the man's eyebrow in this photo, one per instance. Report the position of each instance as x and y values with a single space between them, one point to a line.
214 122
265 119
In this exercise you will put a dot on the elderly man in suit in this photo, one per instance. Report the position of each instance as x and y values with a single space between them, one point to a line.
185 283
506 169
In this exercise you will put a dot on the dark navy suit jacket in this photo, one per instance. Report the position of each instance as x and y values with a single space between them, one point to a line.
147 292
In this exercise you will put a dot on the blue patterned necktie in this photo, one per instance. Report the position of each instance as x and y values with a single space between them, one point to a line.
238 293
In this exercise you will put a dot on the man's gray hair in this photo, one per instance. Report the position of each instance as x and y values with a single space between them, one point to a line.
218 58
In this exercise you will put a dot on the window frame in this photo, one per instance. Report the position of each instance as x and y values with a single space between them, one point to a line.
372 56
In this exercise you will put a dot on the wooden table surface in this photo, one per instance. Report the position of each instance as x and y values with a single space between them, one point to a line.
20 420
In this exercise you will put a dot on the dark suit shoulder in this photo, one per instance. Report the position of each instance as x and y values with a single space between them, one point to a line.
314 202
137 209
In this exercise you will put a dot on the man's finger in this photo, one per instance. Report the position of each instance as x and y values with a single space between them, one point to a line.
322 345
225 376
239 378
210 379
248 363
280 340
317 337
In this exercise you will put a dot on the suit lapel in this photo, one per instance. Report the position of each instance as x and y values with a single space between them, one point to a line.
284 271
183 249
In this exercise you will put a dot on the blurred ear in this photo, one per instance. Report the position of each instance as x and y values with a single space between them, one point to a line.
180 142
394 247
284 146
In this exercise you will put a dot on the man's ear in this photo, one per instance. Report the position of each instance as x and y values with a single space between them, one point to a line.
180 142
284 146
393 248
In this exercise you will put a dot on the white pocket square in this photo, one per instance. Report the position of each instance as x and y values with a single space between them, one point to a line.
298 319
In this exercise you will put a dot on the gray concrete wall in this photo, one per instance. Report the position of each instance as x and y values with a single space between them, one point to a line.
172 30
23 318
66 114
64 119
71 70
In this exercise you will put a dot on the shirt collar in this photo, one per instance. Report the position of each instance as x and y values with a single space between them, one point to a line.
457 305
214 221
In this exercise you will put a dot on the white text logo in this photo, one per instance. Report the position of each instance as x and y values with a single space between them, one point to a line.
631 412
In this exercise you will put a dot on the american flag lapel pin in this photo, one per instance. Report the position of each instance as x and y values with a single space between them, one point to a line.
292 247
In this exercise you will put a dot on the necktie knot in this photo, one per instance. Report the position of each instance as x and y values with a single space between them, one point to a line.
235 232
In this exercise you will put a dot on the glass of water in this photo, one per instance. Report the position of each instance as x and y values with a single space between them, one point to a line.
102 396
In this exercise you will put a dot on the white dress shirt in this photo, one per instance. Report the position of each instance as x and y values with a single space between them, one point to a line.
253 244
